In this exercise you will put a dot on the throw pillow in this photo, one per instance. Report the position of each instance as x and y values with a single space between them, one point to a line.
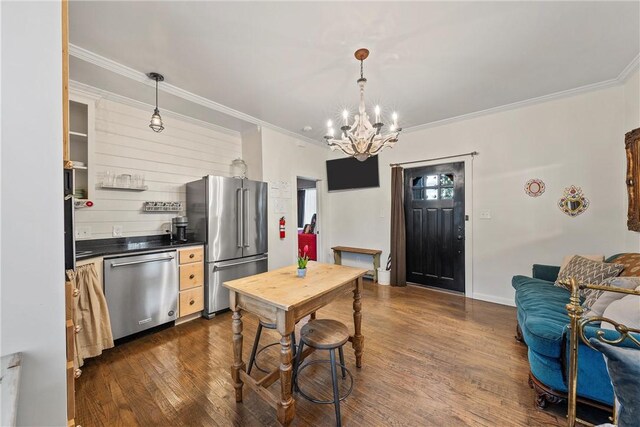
623 365
568 258
587 271
598 301
631 264
625 311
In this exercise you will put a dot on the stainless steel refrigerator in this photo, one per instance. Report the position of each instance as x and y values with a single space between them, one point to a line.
230 216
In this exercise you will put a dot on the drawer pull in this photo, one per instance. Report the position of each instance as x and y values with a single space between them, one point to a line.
191 276
192 255
192 302
77 373
76 292
77 329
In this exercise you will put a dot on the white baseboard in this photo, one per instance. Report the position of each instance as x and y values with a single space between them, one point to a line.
495 299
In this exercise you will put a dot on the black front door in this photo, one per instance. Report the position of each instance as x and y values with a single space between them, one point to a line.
434 209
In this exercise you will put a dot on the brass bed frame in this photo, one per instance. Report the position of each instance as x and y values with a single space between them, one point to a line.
577 325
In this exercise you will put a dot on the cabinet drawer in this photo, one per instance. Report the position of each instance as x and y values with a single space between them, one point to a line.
191 255
191 301
191 275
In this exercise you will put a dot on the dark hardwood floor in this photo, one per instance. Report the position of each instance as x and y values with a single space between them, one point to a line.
430 359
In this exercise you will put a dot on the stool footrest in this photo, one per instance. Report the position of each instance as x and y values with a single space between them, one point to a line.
311 399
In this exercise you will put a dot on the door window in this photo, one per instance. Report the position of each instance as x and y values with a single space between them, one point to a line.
433 187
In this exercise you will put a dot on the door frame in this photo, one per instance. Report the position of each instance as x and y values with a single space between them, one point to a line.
468 211
319 215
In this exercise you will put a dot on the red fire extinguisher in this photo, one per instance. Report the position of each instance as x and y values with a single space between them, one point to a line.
282 223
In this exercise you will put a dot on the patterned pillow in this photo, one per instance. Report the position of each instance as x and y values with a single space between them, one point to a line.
597 301
631 264
587 271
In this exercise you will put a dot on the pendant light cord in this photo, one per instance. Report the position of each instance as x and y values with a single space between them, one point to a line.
156 94
362 68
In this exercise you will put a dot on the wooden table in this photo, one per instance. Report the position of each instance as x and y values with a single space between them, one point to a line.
375 253
280 297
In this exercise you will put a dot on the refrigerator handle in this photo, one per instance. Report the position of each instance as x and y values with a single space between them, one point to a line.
239 217
245 217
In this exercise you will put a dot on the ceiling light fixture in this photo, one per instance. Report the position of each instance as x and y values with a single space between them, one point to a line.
156 120
362 139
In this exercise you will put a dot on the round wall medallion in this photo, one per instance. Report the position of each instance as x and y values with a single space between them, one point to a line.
534 187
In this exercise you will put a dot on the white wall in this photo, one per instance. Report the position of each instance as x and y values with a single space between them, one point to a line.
576 140
32 217
632 121
181 153
283 159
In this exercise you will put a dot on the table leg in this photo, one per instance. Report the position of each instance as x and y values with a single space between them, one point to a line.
337 257
287 405
376 265
358 339
238 364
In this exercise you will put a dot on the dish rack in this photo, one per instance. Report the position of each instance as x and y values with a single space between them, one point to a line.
162 206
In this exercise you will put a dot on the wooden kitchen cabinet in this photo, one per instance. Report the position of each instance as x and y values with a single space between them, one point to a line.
191 297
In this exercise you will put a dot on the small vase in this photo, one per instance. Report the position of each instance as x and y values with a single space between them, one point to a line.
302 272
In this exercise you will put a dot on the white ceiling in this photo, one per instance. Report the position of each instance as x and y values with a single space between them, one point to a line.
291 63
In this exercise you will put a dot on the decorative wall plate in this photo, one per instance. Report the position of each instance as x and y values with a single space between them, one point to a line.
573 202
534 187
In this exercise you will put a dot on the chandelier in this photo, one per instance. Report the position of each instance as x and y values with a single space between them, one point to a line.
362 139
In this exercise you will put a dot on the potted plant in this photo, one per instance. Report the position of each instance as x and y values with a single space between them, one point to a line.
303 258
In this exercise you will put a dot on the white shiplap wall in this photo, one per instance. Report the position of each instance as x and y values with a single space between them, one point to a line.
183 152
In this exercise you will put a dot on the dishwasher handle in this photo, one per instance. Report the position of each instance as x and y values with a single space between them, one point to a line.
122 264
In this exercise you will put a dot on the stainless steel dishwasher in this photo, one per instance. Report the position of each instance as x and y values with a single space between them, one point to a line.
141 291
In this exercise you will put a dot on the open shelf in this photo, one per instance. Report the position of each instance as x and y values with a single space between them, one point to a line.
115 187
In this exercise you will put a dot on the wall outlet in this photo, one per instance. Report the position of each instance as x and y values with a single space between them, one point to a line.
116 231
83 232
485 214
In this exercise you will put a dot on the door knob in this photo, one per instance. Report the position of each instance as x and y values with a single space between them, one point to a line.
191 276
460 237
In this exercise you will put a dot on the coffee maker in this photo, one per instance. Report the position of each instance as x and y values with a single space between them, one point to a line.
179 229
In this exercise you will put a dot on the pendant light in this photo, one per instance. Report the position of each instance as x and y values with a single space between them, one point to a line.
156 120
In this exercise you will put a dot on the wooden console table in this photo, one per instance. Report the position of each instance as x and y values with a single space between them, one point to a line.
375 254
280 297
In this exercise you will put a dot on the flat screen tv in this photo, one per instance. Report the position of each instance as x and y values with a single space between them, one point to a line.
351 174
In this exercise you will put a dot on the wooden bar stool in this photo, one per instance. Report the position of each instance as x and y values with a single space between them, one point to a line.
255 352
324 334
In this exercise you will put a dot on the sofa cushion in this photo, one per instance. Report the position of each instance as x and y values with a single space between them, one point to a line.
541 314
597 302
586 271
631 262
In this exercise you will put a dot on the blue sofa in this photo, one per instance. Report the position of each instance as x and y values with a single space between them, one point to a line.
543 327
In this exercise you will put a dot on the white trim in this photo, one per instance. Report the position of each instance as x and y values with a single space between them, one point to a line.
622 77
498 300
96 94
629 69
468 211
515 105
123 70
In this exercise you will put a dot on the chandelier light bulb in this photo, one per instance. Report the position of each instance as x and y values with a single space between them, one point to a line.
345 116
394 116
392 128
331 132
377 110
329 123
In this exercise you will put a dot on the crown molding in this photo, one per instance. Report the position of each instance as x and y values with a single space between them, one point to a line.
629 69
515 105
97 94
140 77
123 70
621 79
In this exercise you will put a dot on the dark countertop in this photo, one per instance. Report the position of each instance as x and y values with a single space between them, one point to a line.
86 249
